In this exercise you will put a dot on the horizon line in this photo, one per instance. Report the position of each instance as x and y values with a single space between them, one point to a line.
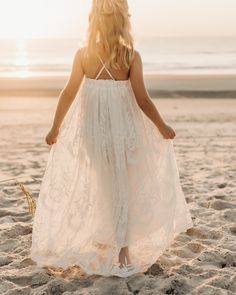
135 37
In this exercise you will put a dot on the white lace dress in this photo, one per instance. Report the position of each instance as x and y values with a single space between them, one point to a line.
111 181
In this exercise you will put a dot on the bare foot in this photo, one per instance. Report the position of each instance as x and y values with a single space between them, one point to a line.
124 257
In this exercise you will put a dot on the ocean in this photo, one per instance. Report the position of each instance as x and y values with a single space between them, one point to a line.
179 56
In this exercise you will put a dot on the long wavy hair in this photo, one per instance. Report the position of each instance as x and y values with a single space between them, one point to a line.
110 31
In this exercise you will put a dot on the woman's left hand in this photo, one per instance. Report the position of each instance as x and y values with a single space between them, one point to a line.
51 137
167 132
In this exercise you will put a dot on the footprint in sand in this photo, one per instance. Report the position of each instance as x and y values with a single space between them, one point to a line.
199 233
229 215
233 230
221 205
220 197
195 247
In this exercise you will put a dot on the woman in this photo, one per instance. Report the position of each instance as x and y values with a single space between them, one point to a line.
110 199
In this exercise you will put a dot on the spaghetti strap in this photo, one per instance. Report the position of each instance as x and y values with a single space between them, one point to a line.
102 68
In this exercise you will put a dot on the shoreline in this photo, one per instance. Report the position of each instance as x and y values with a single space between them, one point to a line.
158 85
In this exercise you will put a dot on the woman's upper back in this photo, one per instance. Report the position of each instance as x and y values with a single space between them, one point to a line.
94 68
97 67
91 66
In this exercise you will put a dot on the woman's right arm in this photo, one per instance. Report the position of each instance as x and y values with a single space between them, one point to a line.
66 97
143 99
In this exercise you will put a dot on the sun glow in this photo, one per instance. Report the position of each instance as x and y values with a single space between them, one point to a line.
22 59
26 19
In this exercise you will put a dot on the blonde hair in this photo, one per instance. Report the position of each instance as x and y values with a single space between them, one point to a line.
110 31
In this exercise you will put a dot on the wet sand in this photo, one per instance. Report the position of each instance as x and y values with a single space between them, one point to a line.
200 261
210 85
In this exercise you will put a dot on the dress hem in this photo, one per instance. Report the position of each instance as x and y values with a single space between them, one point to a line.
137 269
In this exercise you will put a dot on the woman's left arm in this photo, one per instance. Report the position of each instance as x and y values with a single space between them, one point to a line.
66 97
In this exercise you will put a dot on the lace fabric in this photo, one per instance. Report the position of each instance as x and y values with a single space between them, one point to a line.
111 180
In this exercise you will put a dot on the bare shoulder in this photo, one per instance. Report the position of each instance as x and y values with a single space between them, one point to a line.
79 57
137 54
80 52
137 59
136 64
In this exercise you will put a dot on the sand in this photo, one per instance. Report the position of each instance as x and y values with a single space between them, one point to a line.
199 261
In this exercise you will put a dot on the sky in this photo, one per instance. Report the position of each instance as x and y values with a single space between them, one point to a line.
21 19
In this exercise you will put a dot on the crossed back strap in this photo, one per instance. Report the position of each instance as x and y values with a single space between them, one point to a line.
104 68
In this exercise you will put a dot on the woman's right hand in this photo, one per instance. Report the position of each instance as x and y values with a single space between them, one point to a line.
51 137
167 132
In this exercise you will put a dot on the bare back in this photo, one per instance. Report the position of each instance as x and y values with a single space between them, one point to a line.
95 67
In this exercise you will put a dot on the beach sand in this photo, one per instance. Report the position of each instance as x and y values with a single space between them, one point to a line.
199 261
